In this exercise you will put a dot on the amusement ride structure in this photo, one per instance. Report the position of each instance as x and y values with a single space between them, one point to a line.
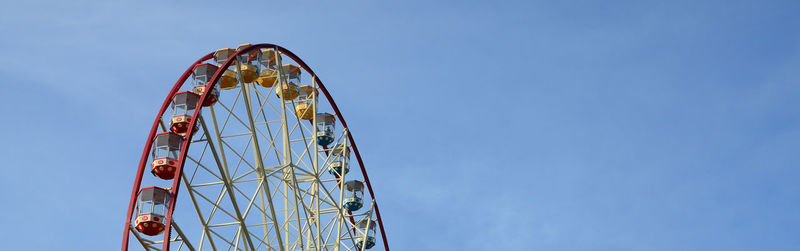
249 138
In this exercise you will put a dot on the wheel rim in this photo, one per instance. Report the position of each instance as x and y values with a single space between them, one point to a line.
255 176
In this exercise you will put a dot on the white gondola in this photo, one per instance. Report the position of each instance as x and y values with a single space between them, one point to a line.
326 125
151 206
366 228
355 195
340 162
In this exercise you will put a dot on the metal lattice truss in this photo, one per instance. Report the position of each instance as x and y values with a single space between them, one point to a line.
256 179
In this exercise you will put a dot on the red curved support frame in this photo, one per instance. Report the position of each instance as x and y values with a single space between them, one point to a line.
184 149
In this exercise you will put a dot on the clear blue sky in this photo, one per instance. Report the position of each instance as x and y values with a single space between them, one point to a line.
530 125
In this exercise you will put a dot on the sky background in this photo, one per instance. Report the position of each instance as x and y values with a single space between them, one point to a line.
484 125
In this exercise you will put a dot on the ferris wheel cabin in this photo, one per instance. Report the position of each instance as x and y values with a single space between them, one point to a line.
355 195
248 64
326 124
151 206
339 165
289 89
228 79
201 74
165 155
183 105
305 103
268 76
269 58
367 228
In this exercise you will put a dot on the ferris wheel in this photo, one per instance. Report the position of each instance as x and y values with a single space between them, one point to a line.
261 156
